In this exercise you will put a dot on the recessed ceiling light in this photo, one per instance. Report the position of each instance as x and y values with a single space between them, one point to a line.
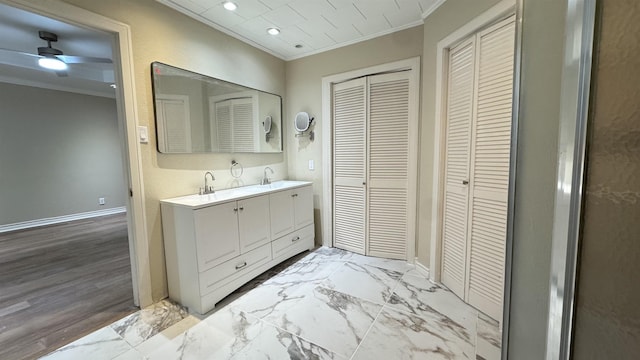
229 5
52 63
273 31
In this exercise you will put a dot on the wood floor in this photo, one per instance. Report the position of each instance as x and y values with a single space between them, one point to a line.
61 282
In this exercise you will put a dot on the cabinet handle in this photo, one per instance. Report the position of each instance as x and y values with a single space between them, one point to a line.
238 267
241 208
294 195
235 209
295 239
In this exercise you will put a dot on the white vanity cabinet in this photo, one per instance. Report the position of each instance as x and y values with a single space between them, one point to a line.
215 243
291 210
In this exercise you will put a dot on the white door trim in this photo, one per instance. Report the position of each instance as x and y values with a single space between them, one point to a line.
412 64
127 116
498 11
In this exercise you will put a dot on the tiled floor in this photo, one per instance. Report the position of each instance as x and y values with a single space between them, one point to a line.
327 304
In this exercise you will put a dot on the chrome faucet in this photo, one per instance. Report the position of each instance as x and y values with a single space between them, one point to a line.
265 180
208 189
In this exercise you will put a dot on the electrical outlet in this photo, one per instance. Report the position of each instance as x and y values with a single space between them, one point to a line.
101 201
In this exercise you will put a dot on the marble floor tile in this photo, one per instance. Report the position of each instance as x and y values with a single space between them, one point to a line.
149 321
103 344
325 304
305 272
167 335
204 341
274 343
489 330
489 338
418 273
421 297
331 319
271 298
399 335
327 254
132 354
390 264
364 281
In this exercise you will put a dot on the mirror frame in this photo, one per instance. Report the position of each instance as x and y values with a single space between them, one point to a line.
276 124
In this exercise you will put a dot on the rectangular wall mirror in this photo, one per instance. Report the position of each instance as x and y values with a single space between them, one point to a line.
200 114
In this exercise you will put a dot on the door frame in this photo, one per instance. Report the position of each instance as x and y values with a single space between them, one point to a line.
127 122
411 64
501 10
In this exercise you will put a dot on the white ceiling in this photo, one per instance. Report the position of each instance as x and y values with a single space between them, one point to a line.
19 31
317 25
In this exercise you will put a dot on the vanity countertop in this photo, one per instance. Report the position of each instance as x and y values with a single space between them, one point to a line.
197 201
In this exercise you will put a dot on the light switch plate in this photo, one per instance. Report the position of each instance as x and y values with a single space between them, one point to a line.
143 134
312 166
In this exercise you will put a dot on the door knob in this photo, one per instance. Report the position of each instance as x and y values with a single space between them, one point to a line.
465 182
364 183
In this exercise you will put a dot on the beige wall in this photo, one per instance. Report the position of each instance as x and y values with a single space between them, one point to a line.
539 119
59 151
162 34
304 93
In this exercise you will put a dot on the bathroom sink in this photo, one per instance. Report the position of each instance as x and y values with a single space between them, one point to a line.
197 200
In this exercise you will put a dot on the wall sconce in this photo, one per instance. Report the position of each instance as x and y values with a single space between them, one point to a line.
266 124
302 123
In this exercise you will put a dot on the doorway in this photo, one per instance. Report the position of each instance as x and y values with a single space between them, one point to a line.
404 247
130 222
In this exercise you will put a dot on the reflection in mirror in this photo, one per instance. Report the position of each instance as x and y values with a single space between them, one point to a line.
200 114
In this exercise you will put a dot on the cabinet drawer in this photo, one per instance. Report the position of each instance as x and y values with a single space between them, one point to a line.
293 243
235 267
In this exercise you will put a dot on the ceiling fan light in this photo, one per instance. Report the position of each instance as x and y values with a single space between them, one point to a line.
52 63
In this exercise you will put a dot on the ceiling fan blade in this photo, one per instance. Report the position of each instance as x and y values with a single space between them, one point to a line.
15 53
70 59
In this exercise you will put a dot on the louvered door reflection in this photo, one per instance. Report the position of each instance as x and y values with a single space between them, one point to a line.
244 124
388 160
490 168
458 137
349 159
222 124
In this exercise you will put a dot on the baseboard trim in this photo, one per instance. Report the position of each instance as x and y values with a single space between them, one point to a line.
422 269
60 219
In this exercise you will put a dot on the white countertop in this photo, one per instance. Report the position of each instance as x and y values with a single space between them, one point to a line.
197 201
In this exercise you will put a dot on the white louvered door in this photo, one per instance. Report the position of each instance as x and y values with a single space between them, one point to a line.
480 91
375 128
349 159
388 164
458 138
490 170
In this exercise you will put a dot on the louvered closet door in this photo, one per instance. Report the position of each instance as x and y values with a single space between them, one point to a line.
458 138
243 125
223 127
349 161
490 167
388 184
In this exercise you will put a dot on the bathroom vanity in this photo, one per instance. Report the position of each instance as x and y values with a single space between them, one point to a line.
215 243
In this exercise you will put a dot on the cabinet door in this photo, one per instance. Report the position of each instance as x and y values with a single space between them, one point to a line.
303 206
216 230
282 217
253 222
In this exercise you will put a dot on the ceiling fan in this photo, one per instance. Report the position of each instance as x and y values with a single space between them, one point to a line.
53 59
